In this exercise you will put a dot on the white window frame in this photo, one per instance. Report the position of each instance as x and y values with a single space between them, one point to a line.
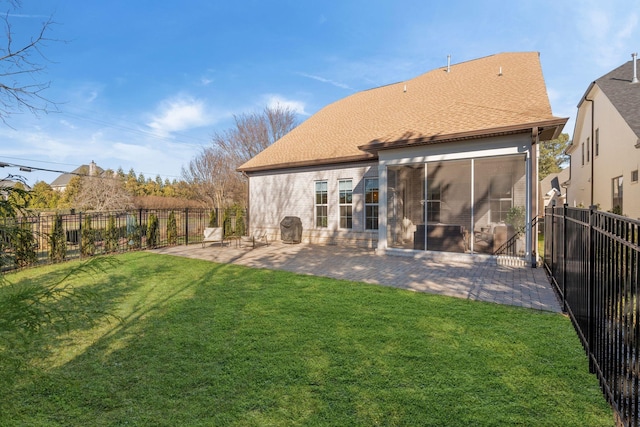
345 204
322 202
371 203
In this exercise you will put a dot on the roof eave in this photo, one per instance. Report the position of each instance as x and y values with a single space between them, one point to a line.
305 163
547 130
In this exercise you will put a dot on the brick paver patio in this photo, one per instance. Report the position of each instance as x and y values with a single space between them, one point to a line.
458 276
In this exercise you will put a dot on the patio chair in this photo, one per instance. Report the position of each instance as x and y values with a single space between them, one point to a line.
213 234
258 237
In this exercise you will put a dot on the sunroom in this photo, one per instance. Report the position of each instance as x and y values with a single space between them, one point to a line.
473 197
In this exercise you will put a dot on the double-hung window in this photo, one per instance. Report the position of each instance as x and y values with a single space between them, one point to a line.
345 189
321 204
371 203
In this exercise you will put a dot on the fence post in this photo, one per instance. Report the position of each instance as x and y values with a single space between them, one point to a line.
80 234
186 226
591 287
564 257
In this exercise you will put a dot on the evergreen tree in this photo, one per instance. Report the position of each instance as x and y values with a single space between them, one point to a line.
111 237
88 237
24 244
153 235
172 229
57 241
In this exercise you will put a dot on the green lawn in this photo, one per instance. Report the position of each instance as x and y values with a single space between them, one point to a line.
206 344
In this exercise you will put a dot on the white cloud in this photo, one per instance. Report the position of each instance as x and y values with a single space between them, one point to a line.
324 80
273 101
178 114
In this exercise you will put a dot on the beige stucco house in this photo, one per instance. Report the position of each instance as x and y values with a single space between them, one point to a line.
446 161
605 150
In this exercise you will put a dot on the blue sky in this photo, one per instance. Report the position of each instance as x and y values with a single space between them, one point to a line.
144 84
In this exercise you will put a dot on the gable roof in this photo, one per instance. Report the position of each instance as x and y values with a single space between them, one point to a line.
498 94
63 180
624 95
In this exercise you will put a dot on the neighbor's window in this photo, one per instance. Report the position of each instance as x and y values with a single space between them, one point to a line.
634 176
597 153
582 154
345 188
616 194
371 203
588 157
321 203
500 198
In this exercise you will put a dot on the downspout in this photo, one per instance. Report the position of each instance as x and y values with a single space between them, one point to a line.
593 154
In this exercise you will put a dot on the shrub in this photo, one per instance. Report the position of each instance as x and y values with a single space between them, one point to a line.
134 237
152 231
240 228
172 229
24 244
88 237
111 238
213 218
57 242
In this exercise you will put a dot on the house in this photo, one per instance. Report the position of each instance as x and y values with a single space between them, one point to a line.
445 161
553 189
61 182
605 150
8 183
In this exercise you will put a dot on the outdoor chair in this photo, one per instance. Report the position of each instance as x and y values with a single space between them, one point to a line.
258 237
213 234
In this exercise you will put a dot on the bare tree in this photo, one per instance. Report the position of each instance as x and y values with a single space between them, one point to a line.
212 176
102 193
19 63
213 171
254 132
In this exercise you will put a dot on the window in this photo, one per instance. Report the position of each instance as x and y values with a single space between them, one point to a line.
345 189
500 198
616 195
588 157
582 153
434 199
634 176
321 204
597 153
371 203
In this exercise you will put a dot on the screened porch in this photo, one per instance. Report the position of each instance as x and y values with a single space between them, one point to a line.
466 206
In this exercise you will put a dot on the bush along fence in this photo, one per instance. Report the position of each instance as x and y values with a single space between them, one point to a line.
51 238
592 257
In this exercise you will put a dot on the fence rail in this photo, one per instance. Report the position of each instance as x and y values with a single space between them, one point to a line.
94 233
592 257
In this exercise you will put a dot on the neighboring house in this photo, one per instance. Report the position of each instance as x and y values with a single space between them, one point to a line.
61 182
605 150
445 161
552 188
10 183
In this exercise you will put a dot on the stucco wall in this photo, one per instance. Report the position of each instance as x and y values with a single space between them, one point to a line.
291 192
617 156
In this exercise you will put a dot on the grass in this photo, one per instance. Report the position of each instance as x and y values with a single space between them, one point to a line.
203 344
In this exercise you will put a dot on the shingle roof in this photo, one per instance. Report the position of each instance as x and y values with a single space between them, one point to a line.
624 95
474 98
63 180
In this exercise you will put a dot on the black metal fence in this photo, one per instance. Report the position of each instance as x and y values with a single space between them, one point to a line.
94 233
592 257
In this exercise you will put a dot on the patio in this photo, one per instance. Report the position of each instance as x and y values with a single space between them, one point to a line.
457 275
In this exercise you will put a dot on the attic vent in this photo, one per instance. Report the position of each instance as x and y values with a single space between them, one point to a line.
634 57
500 71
